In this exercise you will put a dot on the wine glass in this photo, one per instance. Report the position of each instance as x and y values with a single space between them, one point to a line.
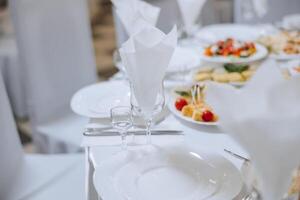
148 114
121 120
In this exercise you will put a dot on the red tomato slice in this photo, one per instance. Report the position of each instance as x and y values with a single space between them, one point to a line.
180 103
207 116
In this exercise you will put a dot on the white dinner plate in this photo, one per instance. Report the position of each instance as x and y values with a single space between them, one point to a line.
216 32
171 105
95 101
169 173
261 52
184 58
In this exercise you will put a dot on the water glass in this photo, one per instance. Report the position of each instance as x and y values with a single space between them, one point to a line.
121 120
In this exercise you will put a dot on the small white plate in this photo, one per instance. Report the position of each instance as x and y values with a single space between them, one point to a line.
260 54
171 105
95 101
169 173
184 58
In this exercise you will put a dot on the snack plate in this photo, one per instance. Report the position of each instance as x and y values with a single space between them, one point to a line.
171 105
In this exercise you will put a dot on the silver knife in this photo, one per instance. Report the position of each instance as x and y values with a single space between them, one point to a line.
237 155
135 132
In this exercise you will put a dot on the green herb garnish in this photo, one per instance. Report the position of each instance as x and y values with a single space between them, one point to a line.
184 93
236 67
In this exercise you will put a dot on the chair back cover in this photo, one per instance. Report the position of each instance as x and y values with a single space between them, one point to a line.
276 10
11 152
55 46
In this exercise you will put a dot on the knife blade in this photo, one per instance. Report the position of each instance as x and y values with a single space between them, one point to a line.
135 132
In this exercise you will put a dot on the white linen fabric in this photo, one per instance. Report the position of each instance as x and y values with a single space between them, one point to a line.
11 153
168 16
13 75
263 117
190 11
54 41
260 7
136 14
24 176
146 56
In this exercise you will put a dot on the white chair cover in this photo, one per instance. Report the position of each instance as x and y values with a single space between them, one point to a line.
13 76
11 153
277 9
54 41
34 176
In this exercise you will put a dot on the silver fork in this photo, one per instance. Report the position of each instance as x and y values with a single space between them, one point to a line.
254 195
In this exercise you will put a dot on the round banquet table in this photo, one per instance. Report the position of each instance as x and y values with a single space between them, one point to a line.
99 149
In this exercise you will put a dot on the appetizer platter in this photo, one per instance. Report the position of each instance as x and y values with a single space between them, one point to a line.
284 45
233 51
234 74
188 103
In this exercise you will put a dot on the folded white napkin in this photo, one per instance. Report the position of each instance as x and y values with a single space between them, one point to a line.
260 7
136 14
291 22
264 118
190 11
146 55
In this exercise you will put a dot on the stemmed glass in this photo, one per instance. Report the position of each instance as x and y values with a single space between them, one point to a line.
121 120
148 114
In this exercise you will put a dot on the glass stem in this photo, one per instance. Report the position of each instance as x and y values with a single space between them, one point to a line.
124 142
148 131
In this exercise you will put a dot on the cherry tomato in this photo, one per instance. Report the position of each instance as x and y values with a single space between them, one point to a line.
180 103
207 116
208 52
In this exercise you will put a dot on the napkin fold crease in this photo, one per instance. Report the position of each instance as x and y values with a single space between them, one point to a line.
136 14
190 11
264 118
146 55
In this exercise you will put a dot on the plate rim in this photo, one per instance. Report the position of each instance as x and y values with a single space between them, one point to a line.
75 98
210 156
